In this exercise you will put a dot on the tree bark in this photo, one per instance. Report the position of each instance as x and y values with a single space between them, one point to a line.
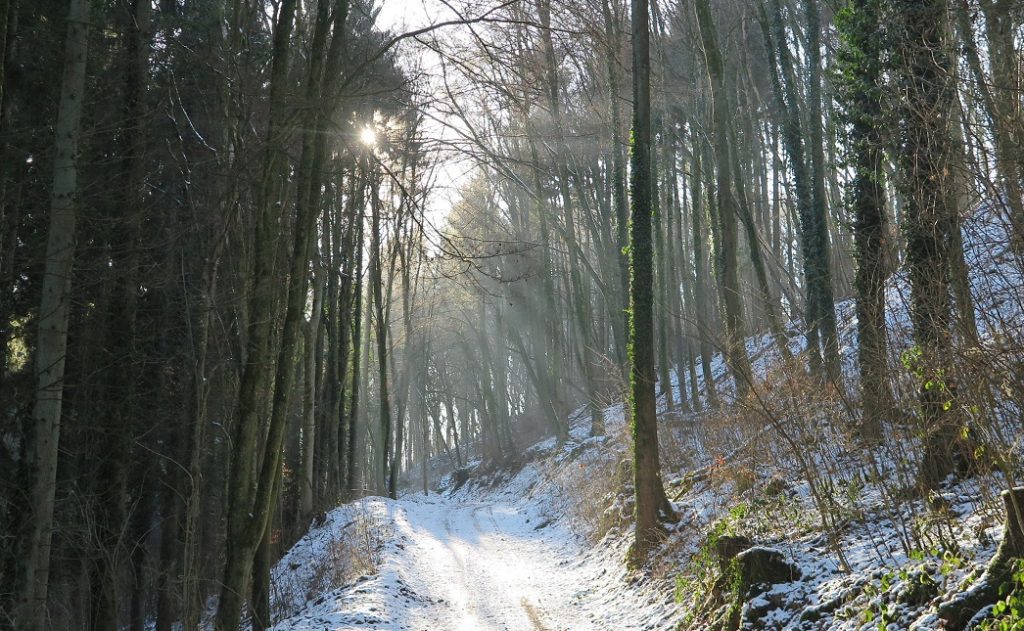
53 315
927 178
818 232
652 506
859 58
736 349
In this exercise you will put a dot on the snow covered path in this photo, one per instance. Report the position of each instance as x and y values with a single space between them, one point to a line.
479 564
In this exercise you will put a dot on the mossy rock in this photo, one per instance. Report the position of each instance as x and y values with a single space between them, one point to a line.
760 567
747 571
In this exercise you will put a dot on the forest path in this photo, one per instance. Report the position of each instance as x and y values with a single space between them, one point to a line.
483 565
469 564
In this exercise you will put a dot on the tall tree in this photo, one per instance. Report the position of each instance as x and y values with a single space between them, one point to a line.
816 233
808 180
1005 105
652 506
54 309
245 526
618 176
728 248
121 390
860 82
700 297
381 318
927 177
580 303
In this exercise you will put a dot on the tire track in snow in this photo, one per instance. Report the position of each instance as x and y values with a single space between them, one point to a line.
463 556
456 565
534 617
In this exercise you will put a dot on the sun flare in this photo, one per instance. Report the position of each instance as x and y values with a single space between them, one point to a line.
368 136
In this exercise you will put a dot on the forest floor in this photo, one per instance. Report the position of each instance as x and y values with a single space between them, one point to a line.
485 556
539 544
506 550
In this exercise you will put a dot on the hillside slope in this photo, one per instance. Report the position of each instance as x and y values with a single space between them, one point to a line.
539 542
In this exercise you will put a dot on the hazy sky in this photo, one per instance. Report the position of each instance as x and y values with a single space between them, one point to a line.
400 16
404 15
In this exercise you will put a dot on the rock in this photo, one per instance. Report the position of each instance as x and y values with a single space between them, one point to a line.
760 567
756 565
747 572
727 547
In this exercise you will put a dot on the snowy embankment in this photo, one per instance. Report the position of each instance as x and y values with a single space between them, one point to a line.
475 558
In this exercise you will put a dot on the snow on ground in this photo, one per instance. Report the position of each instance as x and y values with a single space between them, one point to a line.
477 559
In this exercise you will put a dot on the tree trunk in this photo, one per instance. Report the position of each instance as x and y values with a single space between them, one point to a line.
757 260
818 232
867 200
661 263
1003 101
580 303
244 522
700 262
341 343
927 178
352 443
652 506
380 310
53 325
813 231
736 349
618 177
309 400
8 225
116 432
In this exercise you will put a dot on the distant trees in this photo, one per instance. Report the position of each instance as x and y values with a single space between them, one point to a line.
794 145
727 211
808 178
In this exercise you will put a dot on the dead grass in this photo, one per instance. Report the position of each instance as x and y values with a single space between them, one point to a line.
353 550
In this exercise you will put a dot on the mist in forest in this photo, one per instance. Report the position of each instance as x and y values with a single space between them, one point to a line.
262 262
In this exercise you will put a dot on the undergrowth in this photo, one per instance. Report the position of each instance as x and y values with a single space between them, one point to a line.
1007 613
342 555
